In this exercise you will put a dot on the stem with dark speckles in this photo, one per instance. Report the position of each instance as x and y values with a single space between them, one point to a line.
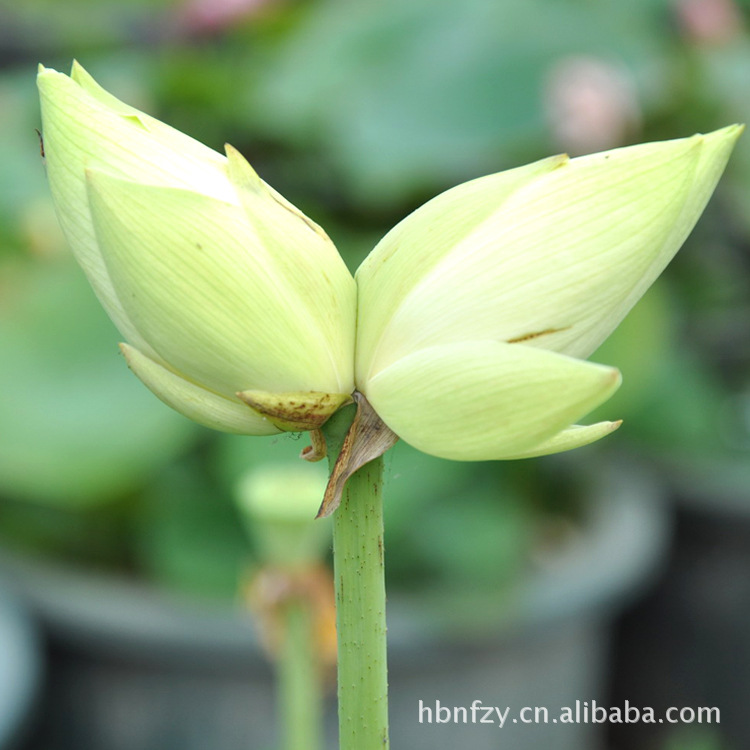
360 601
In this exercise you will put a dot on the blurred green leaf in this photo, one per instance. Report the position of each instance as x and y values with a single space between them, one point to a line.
694 739
404 94
77 428
188 536
453 524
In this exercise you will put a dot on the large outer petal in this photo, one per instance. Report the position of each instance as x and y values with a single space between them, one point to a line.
418 244
557 263
204 290
479 400
86 127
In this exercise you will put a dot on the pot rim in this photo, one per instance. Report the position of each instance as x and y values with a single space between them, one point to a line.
624 544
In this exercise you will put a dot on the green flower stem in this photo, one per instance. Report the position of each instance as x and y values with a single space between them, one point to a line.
299 683
360 601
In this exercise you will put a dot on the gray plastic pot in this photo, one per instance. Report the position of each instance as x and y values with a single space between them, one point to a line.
132 669
688 643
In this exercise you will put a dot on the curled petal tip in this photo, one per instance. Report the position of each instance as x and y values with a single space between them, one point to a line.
317 450
735 130
575 436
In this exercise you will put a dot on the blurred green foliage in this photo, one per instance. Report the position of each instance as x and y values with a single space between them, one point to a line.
358 112
76 428
695 740
405 96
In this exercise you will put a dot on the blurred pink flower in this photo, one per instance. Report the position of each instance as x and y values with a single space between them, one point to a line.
591 105
211 16
708 21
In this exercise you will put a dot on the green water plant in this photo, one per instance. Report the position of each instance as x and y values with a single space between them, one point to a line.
465 332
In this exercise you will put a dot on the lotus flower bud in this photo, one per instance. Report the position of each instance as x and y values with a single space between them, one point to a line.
476 311
473 316
278 503
218 284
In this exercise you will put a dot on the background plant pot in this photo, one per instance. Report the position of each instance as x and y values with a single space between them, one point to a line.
132 669
552 650
688 642
20 669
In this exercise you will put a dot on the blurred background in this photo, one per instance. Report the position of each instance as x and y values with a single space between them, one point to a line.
617 572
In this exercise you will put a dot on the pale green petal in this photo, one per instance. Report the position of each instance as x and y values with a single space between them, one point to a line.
479 400
202 289
65 172
85 127
83 78
302 253
575 436
179 143
418 244
91 128
561 260
250 186
196 403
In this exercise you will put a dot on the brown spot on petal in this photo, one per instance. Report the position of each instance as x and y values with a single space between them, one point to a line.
296 411
536 335
41 143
